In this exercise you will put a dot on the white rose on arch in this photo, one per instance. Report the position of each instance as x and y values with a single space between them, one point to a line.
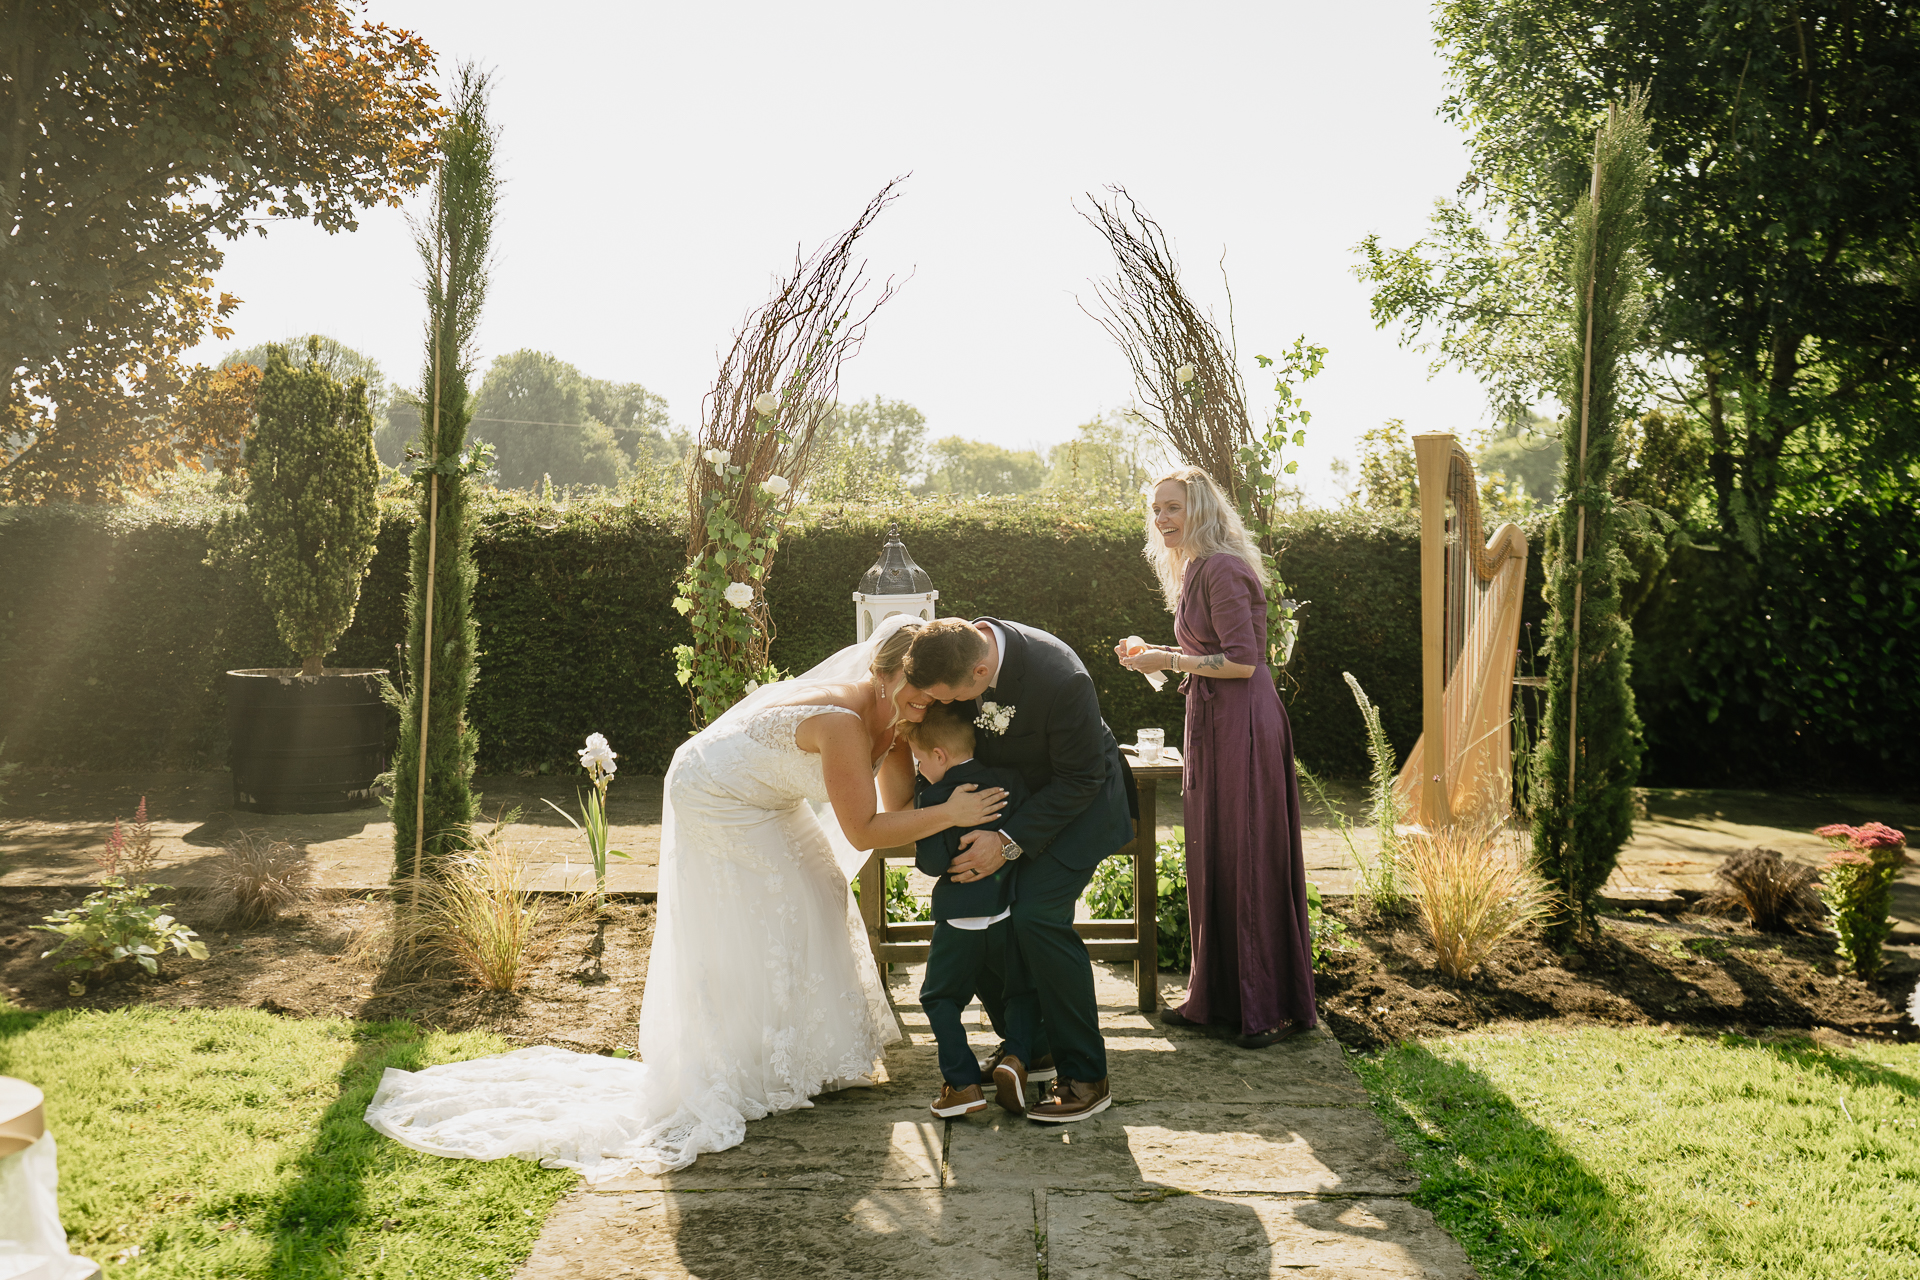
718 457
766 404
1185 374
776 486
739 594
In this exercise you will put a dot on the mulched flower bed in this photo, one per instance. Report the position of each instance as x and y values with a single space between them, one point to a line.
307 963
1644 969
1683 969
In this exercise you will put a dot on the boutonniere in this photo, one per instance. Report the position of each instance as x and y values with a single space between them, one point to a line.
993 717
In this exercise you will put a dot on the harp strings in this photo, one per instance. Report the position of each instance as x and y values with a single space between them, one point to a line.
1476 594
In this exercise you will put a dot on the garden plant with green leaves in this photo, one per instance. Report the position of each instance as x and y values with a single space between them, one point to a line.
1856 883
115 926
433 797
1588 758
311 517
777 385
721 593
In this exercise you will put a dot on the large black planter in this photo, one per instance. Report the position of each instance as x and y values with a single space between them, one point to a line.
306 744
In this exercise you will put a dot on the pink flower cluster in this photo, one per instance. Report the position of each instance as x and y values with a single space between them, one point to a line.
1856 846
1875 835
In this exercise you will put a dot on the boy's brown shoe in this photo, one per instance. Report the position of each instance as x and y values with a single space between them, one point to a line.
1039 1071
1010 1085
1073 1100
958 1102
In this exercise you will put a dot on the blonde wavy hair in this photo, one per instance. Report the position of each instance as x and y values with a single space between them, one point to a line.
1213 528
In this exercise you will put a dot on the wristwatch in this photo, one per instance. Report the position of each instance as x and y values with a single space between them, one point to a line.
1010 848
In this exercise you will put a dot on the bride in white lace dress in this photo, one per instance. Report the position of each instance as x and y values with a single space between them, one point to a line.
761 991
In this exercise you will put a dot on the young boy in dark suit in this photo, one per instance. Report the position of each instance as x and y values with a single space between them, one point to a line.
972 944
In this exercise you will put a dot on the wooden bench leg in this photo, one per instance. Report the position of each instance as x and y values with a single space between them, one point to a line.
1146 899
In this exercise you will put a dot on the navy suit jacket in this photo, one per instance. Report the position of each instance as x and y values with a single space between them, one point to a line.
935 853
1080 810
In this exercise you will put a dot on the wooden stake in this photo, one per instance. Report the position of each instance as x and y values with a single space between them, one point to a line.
426 647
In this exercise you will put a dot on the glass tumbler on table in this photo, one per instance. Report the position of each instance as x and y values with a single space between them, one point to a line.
1149 746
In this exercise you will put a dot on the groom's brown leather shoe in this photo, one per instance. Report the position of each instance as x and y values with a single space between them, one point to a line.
1010 1084
1073 1100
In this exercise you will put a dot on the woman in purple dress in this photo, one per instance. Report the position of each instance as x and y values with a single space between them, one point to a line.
1246 877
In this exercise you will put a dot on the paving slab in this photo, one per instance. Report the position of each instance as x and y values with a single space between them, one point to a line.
1096 1236
742 1235
1192 1146
1308 1070
885 1146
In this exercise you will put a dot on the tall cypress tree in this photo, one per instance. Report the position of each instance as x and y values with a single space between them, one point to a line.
1589 758
433 769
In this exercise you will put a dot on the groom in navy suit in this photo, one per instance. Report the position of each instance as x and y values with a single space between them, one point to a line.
1038 714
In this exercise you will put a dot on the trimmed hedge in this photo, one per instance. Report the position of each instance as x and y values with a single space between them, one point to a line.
114 633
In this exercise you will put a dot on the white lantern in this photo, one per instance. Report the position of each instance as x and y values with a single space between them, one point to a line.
895 584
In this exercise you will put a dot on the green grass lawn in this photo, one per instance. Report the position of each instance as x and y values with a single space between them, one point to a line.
229 1143
1639 1153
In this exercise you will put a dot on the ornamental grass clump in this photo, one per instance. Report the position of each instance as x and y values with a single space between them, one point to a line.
1474 886
480 916
258 878
1771 890
1857 885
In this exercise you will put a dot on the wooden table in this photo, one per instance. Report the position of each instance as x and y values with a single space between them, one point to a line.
1137 939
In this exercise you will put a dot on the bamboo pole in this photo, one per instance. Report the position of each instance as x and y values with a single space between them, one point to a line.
426 647
1433 454
1580 481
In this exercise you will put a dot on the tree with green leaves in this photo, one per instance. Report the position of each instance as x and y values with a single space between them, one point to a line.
1110 458
433 764
1589 756
311 518
966 468
889 435
138 135
330 355
1780 247
537 412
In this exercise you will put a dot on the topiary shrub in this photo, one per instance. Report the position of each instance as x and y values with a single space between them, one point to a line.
310 522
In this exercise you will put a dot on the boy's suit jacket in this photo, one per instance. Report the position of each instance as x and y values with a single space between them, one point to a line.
934 853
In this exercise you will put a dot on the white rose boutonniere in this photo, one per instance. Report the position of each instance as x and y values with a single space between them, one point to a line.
993 717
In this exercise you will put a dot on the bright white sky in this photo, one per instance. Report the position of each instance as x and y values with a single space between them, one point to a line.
663 162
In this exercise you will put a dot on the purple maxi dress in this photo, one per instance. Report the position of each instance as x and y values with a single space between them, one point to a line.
1246 875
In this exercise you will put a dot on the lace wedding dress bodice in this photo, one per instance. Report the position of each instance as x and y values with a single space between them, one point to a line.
761 990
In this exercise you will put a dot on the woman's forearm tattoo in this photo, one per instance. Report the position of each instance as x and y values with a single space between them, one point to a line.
1213 661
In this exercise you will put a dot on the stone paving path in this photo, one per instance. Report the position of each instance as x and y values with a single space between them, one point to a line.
1212 1162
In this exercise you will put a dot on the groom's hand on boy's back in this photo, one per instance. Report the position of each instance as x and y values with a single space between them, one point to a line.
979 856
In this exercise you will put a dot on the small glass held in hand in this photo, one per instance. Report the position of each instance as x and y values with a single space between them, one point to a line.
1134 645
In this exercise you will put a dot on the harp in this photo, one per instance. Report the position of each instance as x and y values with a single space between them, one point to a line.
1470 595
